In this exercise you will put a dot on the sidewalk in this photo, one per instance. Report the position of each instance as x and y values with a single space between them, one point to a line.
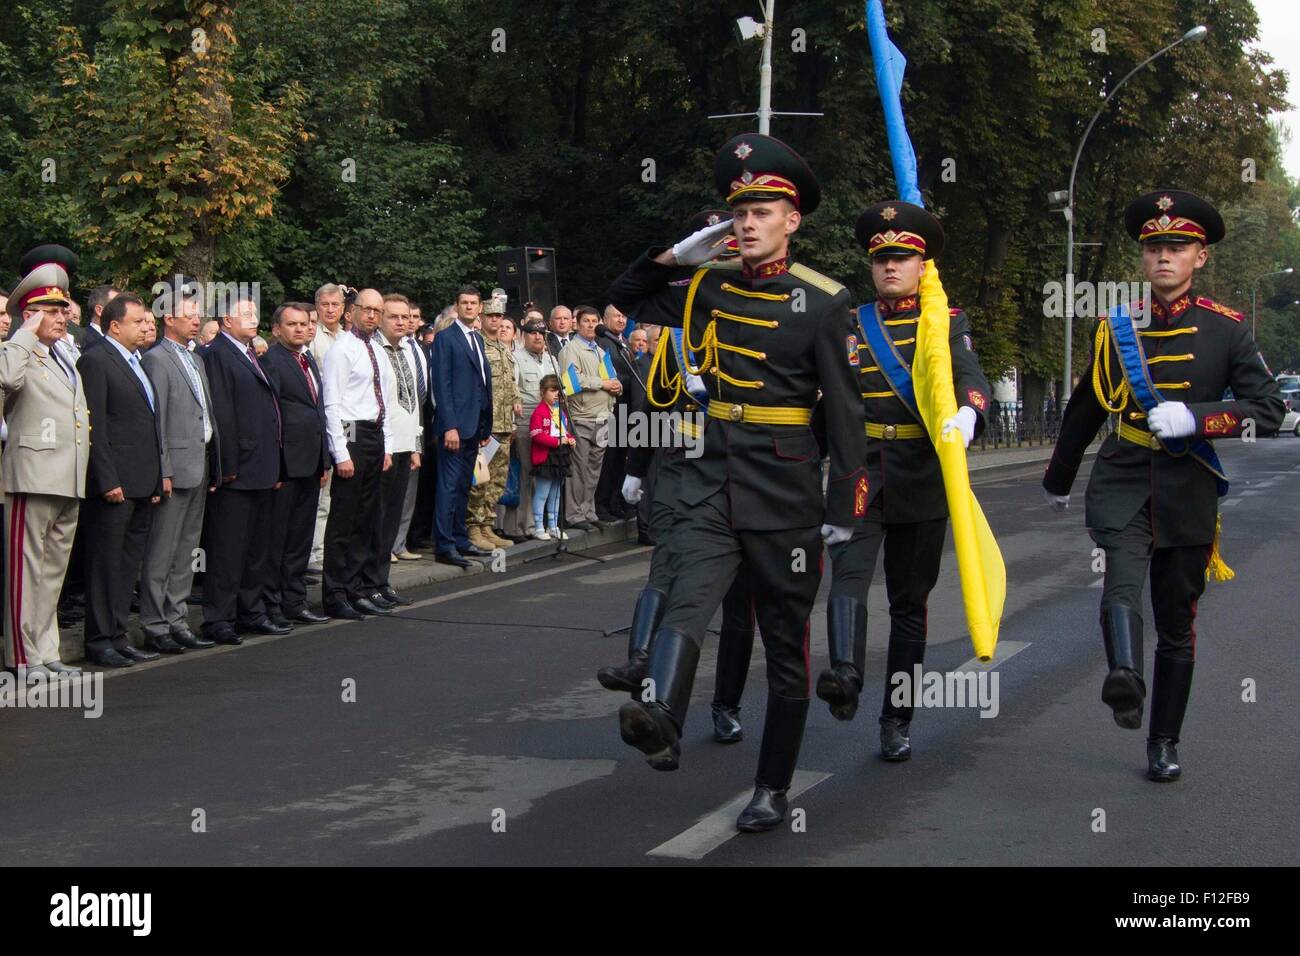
403 576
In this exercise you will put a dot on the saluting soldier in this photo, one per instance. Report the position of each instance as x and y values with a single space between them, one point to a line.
506 405
670 389
768 334
1153 494
908 509
44 473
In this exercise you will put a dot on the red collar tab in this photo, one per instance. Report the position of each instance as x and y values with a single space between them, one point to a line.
908 303
768 269
1174 309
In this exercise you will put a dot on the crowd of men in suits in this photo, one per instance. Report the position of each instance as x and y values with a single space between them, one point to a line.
153 449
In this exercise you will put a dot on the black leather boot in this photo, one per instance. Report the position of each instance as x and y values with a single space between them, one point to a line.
1172 687
846 633
735 646
1123 691
777 757
645 619
895 720
654 727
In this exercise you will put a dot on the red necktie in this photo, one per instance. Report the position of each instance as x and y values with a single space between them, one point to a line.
306 370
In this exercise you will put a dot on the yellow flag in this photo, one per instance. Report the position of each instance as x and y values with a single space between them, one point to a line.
979 560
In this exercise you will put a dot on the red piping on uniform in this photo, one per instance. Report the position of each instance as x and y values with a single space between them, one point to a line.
16 527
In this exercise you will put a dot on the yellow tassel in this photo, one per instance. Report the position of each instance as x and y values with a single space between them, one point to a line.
1217 569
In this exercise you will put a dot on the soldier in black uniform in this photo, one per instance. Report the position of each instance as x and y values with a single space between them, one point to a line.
686 395
769 334
908 509
1153 494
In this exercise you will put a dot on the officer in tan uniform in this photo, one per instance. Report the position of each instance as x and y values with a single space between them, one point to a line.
505 406
43 473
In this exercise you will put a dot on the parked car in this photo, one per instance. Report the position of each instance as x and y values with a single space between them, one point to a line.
1291 423
1287 382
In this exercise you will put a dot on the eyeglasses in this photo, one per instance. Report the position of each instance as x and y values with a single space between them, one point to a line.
55 309
369 310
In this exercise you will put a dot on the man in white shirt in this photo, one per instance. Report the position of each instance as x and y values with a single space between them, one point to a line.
408 434
329 326
359 390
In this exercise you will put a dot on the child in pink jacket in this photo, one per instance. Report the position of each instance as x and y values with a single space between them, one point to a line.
552 442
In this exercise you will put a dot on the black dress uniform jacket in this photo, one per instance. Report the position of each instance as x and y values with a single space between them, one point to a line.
783 335
909 467
668 476
1195 349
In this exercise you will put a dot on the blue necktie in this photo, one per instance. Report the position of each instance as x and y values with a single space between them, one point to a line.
144 380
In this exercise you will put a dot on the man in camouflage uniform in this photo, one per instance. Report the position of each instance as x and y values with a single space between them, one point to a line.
483 498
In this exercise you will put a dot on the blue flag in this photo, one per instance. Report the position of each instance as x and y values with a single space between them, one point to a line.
890 65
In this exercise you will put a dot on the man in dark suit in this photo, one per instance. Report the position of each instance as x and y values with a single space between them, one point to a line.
561 332
124 481
292 370
421 530
610 505
247 411
462 391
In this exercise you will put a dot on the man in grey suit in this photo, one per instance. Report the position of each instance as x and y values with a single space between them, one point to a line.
190 470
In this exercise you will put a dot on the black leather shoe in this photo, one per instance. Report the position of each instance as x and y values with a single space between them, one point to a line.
378 599
895 745
726 724
164 645
393 598
265 626
367 606
278 619
1162 761
474 552
307 616
582 525
109 658
649 729
453 558
766 811
344 611
136 654
192 641
225 635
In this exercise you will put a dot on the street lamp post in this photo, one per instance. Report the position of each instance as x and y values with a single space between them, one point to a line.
1196 33
746 29
1254 288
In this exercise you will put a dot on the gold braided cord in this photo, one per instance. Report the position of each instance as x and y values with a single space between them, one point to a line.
1111 397
659 373
708 348
1162 333
750 294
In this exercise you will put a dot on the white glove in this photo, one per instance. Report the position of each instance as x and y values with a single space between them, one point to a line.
632 490
1171 420
1059 502
699 247
964 422
834 534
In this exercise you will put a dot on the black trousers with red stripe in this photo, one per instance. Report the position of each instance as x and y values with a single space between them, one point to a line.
784 568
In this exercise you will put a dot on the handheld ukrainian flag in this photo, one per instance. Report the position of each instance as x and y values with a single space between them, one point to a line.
983 573
607 366
569 381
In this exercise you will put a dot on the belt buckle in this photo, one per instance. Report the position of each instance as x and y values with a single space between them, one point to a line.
891 431
736 413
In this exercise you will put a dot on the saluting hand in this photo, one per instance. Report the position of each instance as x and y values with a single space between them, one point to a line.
699 247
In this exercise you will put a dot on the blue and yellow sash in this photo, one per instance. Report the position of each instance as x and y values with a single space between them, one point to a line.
1145 394
892 366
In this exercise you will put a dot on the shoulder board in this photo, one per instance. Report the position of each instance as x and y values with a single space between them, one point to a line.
731 264
816 279
1213 306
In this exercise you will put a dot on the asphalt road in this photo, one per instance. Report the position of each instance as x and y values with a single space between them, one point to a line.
478 734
